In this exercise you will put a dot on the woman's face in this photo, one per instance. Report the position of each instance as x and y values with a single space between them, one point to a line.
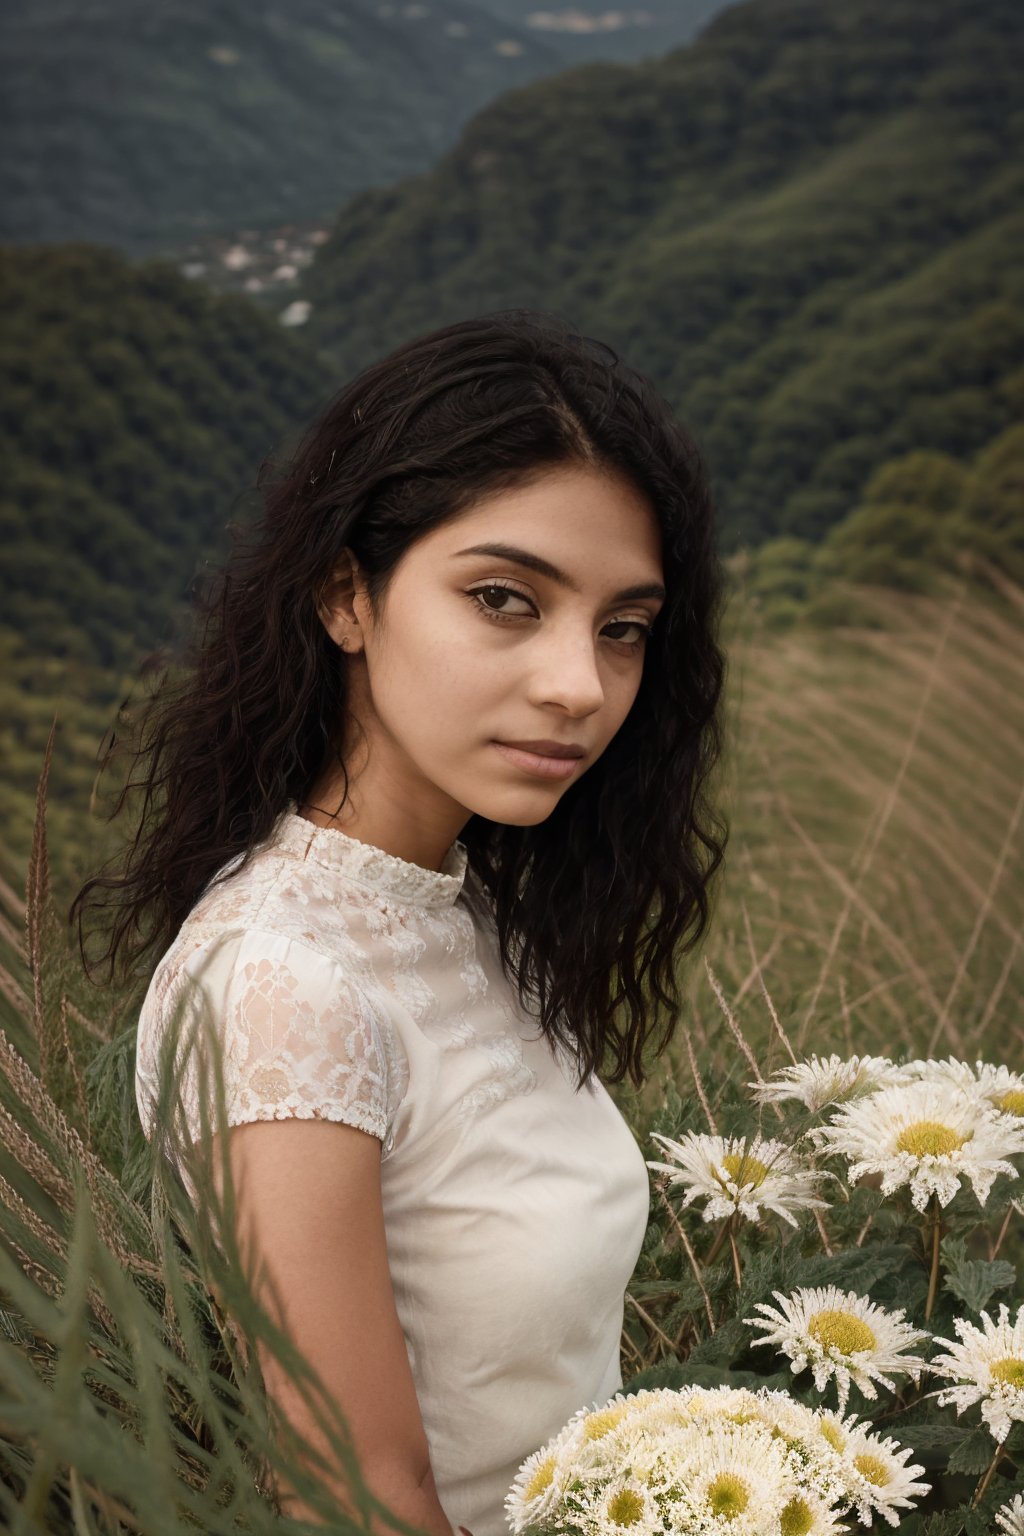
477 648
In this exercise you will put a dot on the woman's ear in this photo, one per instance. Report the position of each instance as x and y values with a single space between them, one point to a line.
336 603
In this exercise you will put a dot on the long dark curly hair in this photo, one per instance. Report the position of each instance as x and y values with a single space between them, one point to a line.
595 906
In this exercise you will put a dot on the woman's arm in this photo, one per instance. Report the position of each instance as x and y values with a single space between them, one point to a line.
309 1213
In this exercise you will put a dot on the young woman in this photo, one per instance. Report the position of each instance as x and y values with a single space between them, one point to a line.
430 827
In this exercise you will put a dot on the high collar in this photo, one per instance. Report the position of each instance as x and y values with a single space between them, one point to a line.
370 866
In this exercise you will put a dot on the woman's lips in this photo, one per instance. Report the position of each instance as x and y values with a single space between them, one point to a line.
543 767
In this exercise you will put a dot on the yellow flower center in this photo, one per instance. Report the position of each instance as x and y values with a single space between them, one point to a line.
1010 1370
830 1433
929 1138
728 1495
542 1478
842 1329
796 1519
1012 1103
625 1508
743 1168
597 1424
873 1468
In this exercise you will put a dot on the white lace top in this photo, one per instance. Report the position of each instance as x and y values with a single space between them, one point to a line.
348 984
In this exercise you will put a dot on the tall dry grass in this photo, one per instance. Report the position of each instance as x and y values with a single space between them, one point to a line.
875 786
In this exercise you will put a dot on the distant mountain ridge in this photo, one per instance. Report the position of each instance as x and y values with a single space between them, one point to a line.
145 124
620 33
806 228
137 124
783 224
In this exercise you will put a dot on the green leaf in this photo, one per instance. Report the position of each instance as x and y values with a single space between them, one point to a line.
973 1281
926 1437
947 1522
1015 1446
857 1269
977 1524
974 1453
932 1443
724 1346
953 1250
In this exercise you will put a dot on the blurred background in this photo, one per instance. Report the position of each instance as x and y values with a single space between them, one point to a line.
803 219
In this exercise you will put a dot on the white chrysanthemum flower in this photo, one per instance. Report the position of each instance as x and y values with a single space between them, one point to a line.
597 1421
626 1500
586 1442
1010 1517
838 1333
716 1461
928 1134
1003 1089
739 1173
880 1479
541 1481
732 1478
720 1399
834 1429
536 1490
812 1454
827 1080
988 1367
664 1419
808 1514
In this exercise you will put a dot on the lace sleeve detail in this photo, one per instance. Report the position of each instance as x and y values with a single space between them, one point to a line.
300 1040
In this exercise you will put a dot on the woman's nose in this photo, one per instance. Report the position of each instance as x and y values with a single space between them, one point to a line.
570 675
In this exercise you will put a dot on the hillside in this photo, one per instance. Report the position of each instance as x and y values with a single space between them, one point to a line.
136 407
136 410
843 328
805 226
144 125
149 126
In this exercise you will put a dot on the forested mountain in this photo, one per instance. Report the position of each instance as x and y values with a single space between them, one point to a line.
806 226
136 407
147 125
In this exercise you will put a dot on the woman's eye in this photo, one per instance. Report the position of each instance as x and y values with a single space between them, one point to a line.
492 600
502 593
642 629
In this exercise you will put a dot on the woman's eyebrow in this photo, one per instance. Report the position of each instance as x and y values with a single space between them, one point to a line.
545 568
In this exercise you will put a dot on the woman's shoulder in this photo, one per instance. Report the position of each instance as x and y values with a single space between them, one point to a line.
302 1034
265 958
275 892
267 904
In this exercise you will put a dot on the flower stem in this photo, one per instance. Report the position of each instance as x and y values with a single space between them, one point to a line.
979 1492
933 1282
736 1266
1002 1232
719 1240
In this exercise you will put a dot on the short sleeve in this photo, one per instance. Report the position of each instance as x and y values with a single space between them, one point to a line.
299 1038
